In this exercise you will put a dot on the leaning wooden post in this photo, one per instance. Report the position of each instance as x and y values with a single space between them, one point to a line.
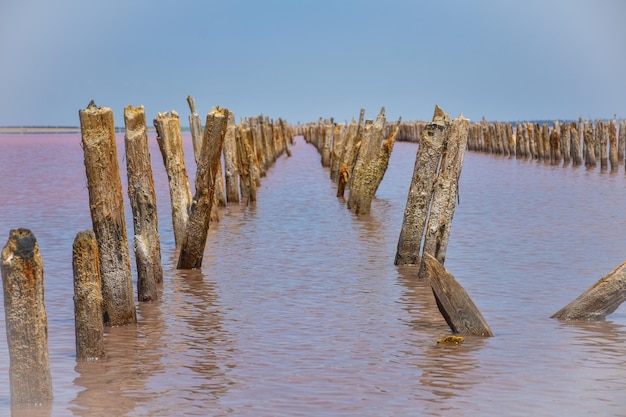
170 142
107 214
147 243
600 300
89 325
26 321
195 127
429 151
454 303
445 191
192 248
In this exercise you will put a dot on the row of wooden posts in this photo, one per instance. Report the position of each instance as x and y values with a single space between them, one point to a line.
581 142
433 190
103 289
357 156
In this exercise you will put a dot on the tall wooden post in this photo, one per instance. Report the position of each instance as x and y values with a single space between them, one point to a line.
107 213
445 191
26 321
170 142
192 248
89 325
147 243
429 151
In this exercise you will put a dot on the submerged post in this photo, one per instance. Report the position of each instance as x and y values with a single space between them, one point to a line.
89 325
431 147
192 248
147 244
107 213
26 321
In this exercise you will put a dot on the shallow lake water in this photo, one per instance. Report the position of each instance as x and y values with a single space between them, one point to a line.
298 309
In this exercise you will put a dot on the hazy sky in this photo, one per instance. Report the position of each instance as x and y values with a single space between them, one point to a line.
301 60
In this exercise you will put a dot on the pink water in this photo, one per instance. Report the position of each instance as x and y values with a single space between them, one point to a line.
299 311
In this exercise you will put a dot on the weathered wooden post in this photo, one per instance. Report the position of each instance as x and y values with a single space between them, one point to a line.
170 142
327 143
577 158
147 243
248 169
566 143
621 141
445 191
429 151
454 303
230 161
89 325
107 213
612 134
350 154
26 321
192 248
602 132
600 300
195 127
375 162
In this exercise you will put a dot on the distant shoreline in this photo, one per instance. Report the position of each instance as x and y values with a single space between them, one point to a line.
51 129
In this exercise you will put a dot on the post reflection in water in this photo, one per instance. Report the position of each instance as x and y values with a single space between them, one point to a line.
169 354
446 370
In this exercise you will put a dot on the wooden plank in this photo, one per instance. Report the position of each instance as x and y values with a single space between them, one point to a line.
455 304
600 300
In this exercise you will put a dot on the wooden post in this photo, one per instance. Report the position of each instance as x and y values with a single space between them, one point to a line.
107 214
192 248
600 300
248 169
621 146
339 135
555 144
26 321
612 145
445 191
147 243
566 143
195 127
170 142
455 304
230 161
327 143
372 170
429 151
577 159
348 154
590 145
603 134
89 326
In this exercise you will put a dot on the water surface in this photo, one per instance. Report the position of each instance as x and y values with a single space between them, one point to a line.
299 311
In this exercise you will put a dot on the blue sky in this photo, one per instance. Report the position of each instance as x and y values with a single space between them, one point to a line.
299 60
